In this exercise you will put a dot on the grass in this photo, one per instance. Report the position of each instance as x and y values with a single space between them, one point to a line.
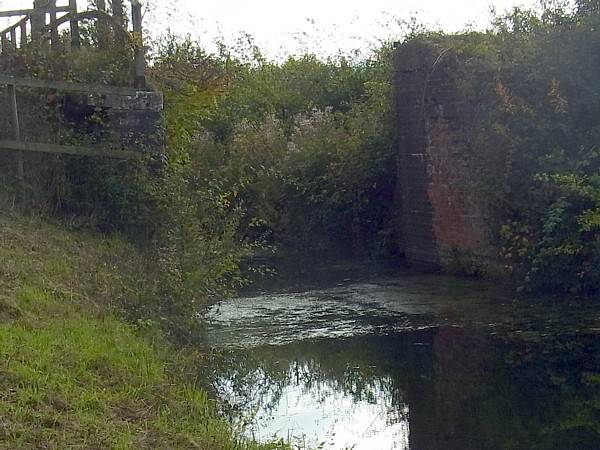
72 373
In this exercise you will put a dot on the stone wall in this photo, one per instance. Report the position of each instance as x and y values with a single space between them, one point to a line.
441 222
115 125
132 122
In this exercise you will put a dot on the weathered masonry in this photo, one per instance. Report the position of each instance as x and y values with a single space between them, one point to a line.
53 115
440 219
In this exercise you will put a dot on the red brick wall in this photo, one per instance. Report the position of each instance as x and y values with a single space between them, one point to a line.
440 217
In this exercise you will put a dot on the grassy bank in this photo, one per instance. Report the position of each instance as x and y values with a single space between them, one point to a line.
72 374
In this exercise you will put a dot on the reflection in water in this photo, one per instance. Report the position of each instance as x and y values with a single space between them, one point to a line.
320 412
341 394
409 379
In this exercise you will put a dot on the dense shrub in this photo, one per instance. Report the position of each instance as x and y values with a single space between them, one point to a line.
308 147
299 154
534 142
258 155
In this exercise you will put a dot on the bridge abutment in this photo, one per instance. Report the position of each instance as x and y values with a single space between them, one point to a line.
443 226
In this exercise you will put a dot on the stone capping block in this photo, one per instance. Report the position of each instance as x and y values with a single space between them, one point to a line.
141 101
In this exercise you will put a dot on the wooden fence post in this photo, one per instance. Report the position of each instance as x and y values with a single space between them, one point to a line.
103 30
118 13
139 81
74 24
38 18
13 38
23 33
12 98
54 38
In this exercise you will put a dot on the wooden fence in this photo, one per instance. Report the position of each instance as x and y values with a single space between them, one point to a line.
42 24
19 145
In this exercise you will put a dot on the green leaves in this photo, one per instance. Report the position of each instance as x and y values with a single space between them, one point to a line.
532 86
564 243
302 148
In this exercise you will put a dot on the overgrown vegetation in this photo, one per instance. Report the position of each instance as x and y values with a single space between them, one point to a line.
260 157
535 142
301 151
299 155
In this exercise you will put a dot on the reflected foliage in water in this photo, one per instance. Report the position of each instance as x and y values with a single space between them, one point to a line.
420 363
442 388
310 389
515 392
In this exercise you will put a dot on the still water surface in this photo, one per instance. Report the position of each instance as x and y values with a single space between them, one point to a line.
409 362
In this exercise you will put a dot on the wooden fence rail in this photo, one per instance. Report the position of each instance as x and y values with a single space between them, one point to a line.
29 12
18 145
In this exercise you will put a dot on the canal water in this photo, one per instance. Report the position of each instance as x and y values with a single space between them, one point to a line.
409 362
